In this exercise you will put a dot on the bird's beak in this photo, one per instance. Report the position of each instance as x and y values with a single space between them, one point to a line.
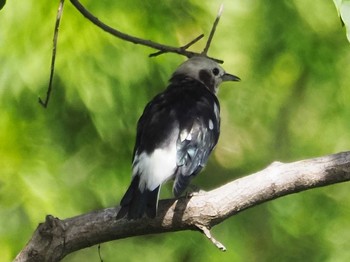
229 77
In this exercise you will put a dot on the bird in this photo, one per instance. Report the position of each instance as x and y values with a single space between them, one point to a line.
176 133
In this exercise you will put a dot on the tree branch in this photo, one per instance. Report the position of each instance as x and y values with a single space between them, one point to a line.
45 102
56 238
182 47
162 48
213 29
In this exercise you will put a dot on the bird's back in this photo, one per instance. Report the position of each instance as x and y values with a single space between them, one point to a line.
177 107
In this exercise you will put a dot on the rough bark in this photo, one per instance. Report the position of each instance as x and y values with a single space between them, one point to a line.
56 238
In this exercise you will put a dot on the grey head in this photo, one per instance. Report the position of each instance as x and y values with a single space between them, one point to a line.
205 70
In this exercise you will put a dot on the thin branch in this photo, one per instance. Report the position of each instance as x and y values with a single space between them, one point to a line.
182 47
208 234
56 238
193 41
162 48
213 29
53 58
99 252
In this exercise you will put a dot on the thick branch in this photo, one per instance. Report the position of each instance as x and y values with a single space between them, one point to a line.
56 238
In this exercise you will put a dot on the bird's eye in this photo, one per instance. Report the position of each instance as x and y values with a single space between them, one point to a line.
216 71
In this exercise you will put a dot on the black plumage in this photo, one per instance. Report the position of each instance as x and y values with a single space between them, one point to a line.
175 135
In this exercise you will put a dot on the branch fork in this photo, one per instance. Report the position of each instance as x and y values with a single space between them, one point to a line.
162 48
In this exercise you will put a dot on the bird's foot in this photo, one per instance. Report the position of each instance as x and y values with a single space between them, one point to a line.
193 190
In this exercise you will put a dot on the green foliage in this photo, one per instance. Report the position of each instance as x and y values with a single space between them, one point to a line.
75 156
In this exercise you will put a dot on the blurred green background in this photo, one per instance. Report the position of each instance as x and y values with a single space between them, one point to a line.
75 156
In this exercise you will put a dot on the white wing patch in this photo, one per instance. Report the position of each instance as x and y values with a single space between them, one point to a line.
216 111
155 168
187 135
211 124
183 135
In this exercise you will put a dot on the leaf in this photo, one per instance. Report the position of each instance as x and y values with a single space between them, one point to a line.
2 3
343 8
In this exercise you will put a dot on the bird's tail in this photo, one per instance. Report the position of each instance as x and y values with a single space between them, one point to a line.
136 203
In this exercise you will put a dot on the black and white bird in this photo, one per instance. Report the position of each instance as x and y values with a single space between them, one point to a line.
175 135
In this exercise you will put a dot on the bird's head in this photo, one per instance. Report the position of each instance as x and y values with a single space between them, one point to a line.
205 70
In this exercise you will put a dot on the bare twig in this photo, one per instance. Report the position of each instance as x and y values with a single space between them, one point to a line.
53 58
56 238
99 252
207 233
213 29
162 48
182 47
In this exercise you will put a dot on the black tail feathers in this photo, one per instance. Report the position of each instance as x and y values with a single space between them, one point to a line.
135 203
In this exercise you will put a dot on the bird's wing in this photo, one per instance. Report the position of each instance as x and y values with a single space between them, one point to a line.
194 145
